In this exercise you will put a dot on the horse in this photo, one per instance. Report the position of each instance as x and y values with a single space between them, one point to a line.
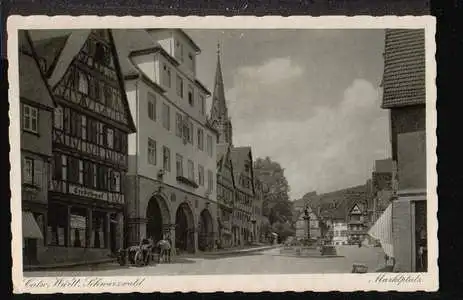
164 250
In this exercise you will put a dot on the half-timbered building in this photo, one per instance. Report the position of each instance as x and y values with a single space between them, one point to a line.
225 194
91 122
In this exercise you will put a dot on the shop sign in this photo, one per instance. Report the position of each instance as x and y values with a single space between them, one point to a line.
77 221
86 192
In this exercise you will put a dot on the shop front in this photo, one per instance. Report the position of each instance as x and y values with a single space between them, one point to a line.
79 232
32 237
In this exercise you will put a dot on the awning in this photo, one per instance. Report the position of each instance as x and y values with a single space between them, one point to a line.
31 229
382 230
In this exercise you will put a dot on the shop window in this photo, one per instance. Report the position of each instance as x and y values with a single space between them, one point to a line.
77 226
57 224
99 230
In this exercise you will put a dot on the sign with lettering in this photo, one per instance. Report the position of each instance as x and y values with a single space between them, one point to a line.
86 192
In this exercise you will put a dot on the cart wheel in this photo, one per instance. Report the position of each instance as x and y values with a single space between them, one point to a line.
138 259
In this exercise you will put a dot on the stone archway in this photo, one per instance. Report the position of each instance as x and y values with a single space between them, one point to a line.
184 228
157 216
206 231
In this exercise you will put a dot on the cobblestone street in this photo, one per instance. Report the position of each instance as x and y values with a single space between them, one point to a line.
265 262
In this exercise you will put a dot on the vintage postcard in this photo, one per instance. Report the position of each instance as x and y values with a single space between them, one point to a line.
223 154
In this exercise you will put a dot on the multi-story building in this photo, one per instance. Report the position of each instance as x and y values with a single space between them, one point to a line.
244 193
404 94
357 223
225 194
36 111
172 167
91 122
340 232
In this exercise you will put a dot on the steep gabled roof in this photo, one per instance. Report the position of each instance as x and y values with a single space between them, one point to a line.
337 204
404 81
239 156
66 53
32 84
50 50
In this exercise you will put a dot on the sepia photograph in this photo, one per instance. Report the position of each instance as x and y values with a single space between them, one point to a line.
154 151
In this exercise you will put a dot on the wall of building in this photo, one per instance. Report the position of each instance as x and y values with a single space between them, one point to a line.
172 198
411 160
402 233
39 142
405 120
155 130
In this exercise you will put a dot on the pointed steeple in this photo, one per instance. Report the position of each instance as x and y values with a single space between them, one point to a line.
219 105
219 111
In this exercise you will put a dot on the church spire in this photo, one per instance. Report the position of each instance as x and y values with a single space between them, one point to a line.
219 106
219 111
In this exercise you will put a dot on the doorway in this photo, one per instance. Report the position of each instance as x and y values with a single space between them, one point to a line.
113 233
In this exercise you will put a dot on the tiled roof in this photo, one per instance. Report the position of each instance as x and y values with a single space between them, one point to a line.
50 49
336 205
404 68
32 85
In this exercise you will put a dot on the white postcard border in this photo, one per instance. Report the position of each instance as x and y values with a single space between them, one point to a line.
227 283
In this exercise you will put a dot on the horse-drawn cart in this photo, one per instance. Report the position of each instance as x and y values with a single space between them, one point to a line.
139 255
145 253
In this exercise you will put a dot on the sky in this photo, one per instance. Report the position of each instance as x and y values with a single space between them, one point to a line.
308 99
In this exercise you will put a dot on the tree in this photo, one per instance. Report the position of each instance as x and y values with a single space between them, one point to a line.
277 206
